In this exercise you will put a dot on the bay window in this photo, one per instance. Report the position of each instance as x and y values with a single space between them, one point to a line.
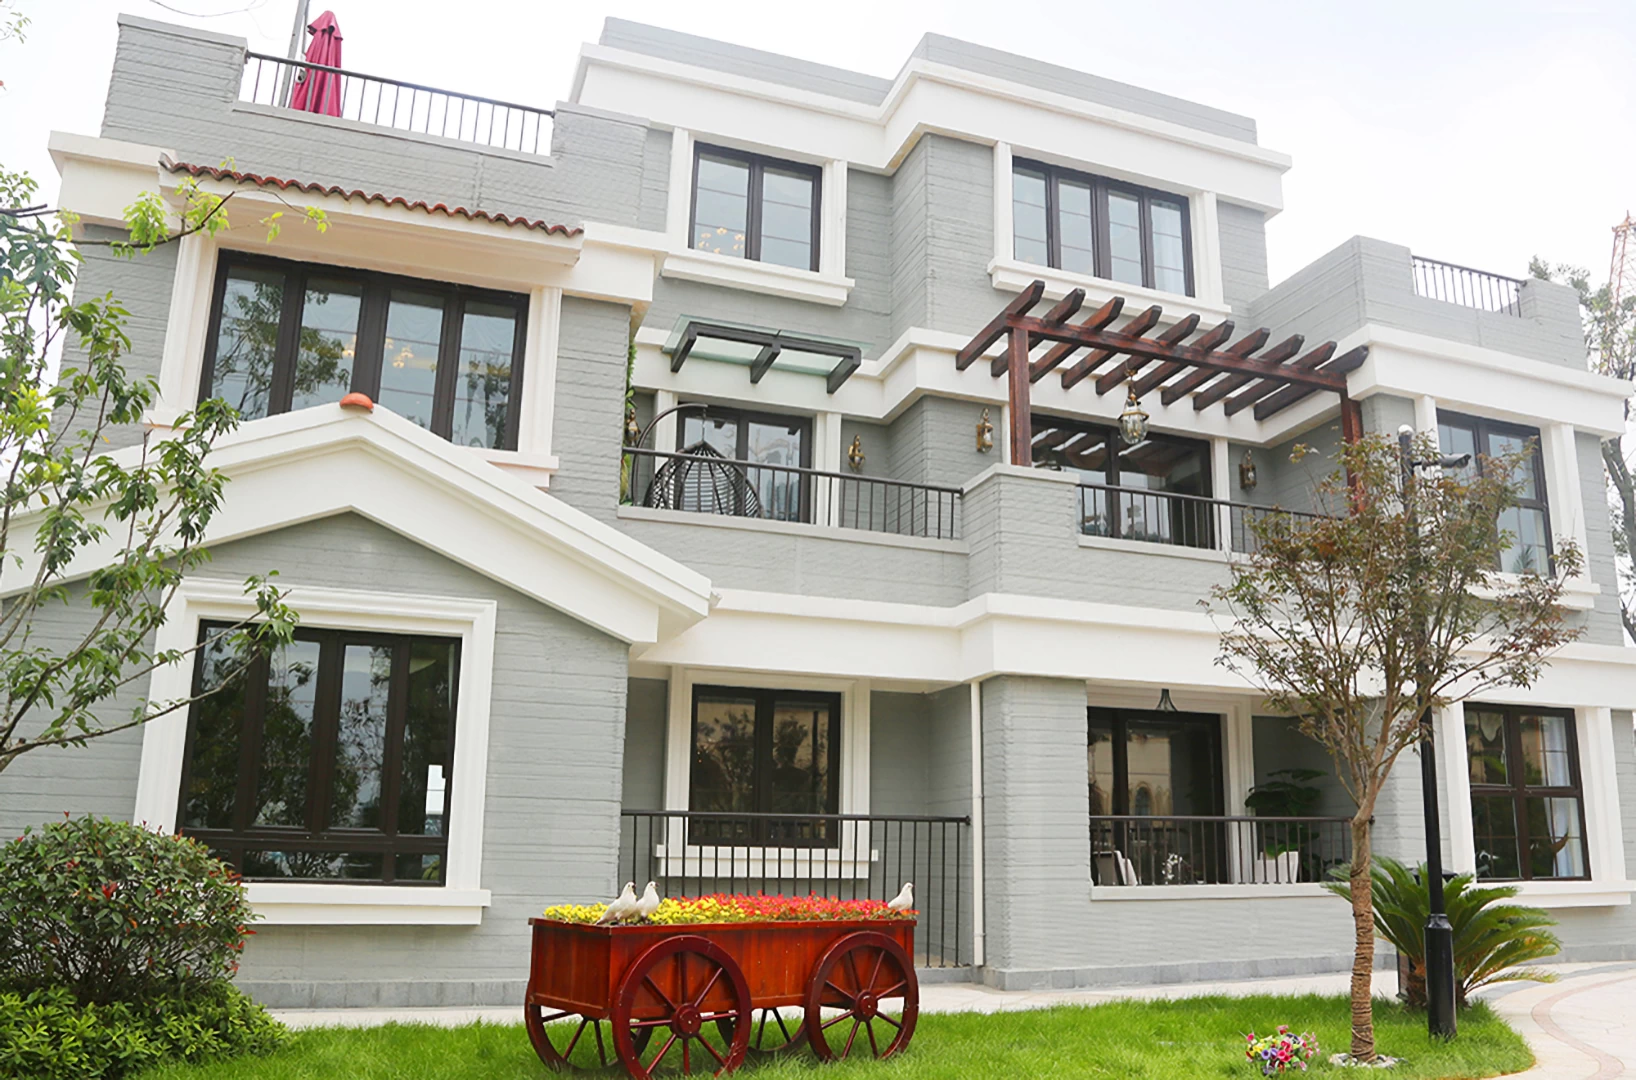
329 759
1527 808
1089 224
286 335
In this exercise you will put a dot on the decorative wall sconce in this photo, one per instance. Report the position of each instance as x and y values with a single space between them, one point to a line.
985 434
633 430
854 454
1246 472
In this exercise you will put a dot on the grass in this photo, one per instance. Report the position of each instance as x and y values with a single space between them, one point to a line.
1192 1038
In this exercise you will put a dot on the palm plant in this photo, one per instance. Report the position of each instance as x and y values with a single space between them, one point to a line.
1492 939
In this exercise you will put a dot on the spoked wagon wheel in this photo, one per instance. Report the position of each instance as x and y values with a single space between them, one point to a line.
556 1045
772 1031
863 998
684 1001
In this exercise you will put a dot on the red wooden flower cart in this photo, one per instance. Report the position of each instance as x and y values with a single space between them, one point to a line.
703 997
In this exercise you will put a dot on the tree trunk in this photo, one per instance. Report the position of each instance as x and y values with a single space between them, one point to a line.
1363 955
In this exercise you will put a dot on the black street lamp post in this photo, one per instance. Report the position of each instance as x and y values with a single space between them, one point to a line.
1439 940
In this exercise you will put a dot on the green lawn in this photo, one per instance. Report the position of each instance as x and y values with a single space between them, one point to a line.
1161 1040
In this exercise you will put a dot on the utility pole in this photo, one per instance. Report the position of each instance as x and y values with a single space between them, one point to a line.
296 32
1439 939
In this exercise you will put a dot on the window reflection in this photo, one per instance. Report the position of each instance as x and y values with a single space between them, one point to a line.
330 311
252 305
764 752
482 392
414 326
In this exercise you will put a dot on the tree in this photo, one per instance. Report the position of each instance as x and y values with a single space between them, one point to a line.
61 495
1610 331
1359 621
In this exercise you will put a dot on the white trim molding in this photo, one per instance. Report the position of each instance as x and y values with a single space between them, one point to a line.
461 899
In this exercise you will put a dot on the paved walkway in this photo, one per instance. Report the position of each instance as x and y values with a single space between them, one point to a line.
1582 1027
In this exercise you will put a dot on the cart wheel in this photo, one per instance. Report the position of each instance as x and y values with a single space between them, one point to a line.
674 991
771 1032
570 1035
869 978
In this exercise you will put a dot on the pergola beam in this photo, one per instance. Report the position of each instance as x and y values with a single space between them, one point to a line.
1059 352
1185 385
1180 332
997 326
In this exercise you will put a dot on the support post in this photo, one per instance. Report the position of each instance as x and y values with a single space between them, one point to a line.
1439 934
1022 415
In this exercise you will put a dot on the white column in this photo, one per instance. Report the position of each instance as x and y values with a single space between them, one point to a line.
832 226
1002 201
1207 283
1221 485
1240 779
826 457
978 936
664 432
678 209
1599 784
1425 414
538 402
1454 770
186 325
1563 494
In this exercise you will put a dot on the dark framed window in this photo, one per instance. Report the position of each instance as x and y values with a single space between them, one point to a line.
1528 522
1527 807
1166 765
286 335
329 759
1155 490
748 206
1107 228
760 752
771 448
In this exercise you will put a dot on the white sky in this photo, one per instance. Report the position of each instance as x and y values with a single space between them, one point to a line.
1477 133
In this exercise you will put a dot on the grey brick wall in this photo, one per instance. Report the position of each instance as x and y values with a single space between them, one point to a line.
934 441
588 428
959 226
1603 624
556 741
1243 237
646 733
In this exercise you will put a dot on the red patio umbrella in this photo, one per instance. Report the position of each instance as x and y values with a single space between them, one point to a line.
320 91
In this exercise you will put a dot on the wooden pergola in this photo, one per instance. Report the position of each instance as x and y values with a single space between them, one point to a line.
1243 375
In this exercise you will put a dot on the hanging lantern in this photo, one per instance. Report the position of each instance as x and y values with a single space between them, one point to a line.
1133 421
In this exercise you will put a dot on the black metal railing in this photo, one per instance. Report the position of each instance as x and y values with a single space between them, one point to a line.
404 106
1188 850
710 484
846 856
1169 517
1470 288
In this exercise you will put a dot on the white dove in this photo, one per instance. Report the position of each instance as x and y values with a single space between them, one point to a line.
621 907
904 900
649 903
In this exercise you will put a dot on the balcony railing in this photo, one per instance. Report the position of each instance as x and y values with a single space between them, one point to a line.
1470 288
846 856
405 106
708 484
1186 850
1168 517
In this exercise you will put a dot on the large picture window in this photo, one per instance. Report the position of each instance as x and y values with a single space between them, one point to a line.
327 760
1528 523
747 206
1527 810
288 335
764 752
1092 225
1156 490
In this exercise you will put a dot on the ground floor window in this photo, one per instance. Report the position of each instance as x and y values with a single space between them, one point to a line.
1527 807
327 760
1166 766
761 759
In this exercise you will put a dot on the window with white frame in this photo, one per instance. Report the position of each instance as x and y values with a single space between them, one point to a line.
1527 803
763 762
750 206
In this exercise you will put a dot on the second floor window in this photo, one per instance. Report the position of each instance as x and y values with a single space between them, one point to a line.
1527 813
1527 523
287 335
1091 225
328 759
747 206
769 451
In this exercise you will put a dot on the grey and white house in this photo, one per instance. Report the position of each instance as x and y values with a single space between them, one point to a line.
799 621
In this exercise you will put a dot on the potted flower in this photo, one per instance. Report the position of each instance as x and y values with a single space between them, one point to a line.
1285 794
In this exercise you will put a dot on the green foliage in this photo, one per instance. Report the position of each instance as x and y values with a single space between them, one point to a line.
1386 604
124 528
1286 796
47 1035
1492 939
111 911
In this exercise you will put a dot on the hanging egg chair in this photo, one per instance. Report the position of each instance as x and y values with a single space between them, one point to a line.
701 479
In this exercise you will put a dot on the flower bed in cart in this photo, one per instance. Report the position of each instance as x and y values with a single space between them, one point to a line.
707 982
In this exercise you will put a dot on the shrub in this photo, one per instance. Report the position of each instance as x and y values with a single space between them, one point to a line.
48 1035
1491 939
113 912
